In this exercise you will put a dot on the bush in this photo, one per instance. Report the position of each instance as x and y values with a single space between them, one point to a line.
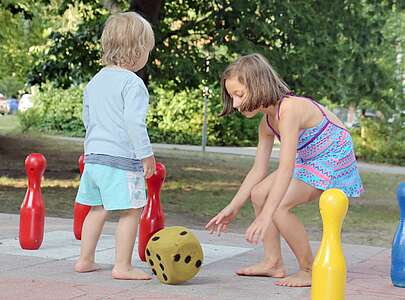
55 110
29 119
174 116
177 117
377 141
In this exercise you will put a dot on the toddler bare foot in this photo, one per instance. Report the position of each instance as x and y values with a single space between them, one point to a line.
299 279
86 266
264 268
129 273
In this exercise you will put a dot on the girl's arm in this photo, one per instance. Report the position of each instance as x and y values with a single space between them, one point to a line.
289 131
259 169
220 222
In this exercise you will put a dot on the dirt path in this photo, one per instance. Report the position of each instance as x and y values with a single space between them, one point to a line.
251 151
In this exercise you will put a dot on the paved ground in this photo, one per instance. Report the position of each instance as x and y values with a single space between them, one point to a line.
47 273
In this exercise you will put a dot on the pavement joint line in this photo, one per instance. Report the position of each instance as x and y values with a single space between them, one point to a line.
368 258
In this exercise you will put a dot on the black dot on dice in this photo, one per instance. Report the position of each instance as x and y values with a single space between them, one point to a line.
151 262
198 263
162 267
183 233
155 238
187 259
147 252
177 257
164 277
154 271
158 256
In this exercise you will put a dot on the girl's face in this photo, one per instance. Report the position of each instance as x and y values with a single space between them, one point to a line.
238 93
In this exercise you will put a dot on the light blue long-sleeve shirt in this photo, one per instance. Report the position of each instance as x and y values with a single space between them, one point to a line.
114 115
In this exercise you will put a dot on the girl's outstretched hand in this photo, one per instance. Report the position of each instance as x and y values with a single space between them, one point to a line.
220 222
255 233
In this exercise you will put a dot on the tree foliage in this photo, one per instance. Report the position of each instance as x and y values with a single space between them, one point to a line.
324 48
72 57
19 32
336 49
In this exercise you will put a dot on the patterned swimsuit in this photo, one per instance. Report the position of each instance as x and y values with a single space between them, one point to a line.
325 157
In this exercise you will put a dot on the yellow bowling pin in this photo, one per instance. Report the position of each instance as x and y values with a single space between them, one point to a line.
329 267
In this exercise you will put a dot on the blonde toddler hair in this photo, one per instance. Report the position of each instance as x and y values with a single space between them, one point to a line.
125 37
263 84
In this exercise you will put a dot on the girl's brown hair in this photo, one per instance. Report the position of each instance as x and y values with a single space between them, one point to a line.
125 37
264 86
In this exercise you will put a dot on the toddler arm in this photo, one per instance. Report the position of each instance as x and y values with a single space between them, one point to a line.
136 101
85 112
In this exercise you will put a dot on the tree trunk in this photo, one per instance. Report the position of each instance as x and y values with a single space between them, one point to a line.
150 10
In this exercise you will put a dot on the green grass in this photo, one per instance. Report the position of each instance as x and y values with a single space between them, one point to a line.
196 188
8 123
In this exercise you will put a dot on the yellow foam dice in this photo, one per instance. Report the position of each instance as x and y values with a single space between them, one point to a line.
174 254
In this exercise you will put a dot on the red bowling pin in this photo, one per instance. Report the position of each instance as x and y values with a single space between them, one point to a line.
32 211
152 218
81 164
80 211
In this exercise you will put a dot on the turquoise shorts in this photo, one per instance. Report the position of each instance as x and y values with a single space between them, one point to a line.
112 188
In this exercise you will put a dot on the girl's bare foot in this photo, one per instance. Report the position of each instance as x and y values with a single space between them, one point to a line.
264 268
86 266
129 273
299 279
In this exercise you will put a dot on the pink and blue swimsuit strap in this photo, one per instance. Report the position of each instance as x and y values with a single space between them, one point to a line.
272 129
315 135
278 116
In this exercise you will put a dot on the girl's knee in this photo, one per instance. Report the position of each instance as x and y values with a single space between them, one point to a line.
258 197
